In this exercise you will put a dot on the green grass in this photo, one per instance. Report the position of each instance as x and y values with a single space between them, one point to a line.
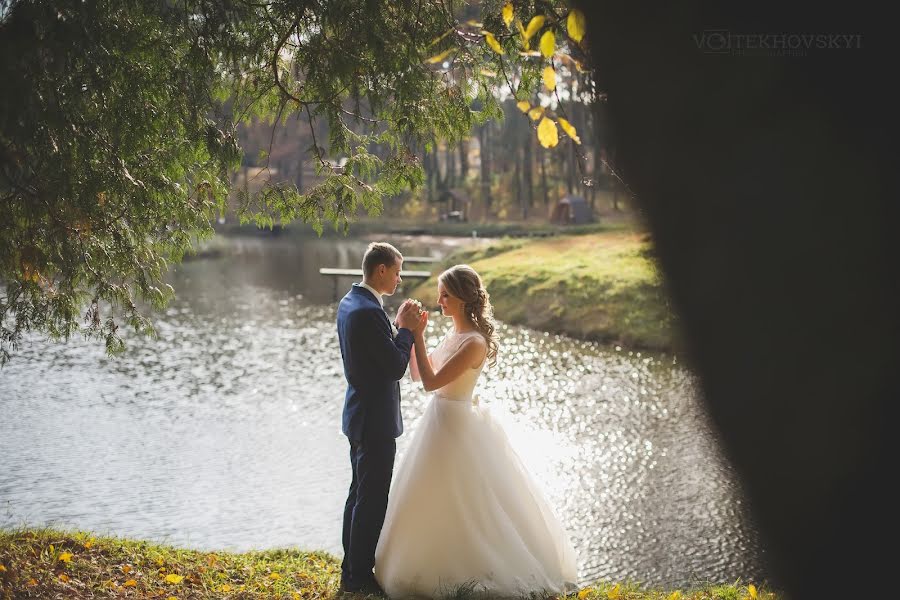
49 563
600 286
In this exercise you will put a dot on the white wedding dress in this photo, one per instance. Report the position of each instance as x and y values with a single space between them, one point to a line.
463 509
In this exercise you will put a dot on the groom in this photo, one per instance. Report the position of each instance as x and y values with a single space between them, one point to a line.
375 358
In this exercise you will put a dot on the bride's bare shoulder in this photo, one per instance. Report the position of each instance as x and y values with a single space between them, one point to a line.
477 346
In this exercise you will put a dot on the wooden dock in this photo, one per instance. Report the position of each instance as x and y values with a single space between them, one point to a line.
336 274
359 273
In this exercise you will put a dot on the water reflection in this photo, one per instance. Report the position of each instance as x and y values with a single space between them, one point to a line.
224 432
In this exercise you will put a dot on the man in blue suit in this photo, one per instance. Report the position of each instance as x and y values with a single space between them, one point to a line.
375 356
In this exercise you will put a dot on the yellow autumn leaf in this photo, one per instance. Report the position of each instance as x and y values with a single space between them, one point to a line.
274 576
576 23
2 568
525 41
224 588
523 105
548 44
536 112
547 134
584 593
52 549
171 598
569 129
549 78
533 26
614 593
32 581
440 57
507 13
130 583
493 43
126 569
89 543
752 591
676 595
63 577
173 578
65 557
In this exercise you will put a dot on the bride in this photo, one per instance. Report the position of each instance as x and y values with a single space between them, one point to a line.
463 511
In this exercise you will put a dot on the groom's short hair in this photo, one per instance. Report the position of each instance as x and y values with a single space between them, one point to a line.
379 253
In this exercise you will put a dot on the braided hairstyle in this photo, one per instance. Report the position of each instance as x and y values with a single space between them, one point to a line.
464 282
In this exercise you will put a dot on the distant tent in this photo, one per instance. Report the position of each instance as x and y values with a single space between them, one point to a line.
456 205
571 210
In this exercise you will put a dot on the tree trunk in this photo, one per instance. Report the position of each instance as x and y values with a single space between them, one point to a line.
527 175
484 138
517 180
463 161
543 158
432 174
451 166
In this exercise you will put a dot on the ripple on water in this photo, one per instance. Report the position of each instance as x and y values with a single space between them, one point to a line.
225 433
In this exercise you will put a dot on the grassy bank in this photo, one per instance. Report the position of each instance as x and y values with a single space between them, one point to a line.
60 564
601 286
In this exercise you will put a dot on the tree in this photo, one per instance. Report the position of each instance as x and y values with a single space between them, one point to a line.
117 138
790 314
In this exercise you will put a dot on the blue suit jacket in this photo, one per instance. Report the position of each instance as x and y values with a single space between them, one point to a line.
374 363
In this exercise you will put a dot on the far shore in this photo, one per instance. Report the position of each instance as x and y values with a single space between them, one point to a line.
597 281
602 286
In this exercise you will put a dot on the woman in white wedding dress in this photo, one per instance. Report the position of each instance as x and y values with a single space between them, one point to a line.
463 509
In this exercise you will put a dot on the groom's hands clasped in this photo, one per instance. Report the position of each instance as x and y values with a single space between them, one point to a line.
408 315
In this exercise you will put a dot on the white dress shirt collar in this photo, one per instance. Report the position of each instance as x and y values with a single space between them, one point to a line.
374 293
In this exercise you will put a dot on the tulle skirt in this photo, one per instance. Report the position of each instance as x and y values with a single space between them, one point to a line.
464 511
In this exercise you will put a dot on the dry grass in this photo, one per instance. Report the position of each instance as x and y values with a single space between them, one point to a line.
47 563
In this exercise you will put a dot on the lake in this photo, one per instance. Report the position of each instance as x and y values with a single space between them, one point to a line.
224 433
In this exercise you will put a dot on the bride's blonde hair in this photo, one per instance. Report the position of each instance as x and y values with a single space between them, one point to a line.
464 282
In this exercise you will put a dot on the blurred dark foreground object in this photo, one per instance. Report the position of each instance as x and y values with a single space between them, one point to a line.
768 177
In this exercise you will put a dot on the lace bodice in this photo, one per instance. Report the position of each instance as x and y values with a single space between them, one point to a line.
462 387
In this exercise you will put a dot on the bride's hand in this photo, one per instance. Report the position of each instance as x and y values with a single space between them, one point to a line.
422 323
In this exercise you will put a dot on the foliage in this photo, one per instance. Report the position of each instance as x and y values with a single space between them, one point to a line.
51 563
117 129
